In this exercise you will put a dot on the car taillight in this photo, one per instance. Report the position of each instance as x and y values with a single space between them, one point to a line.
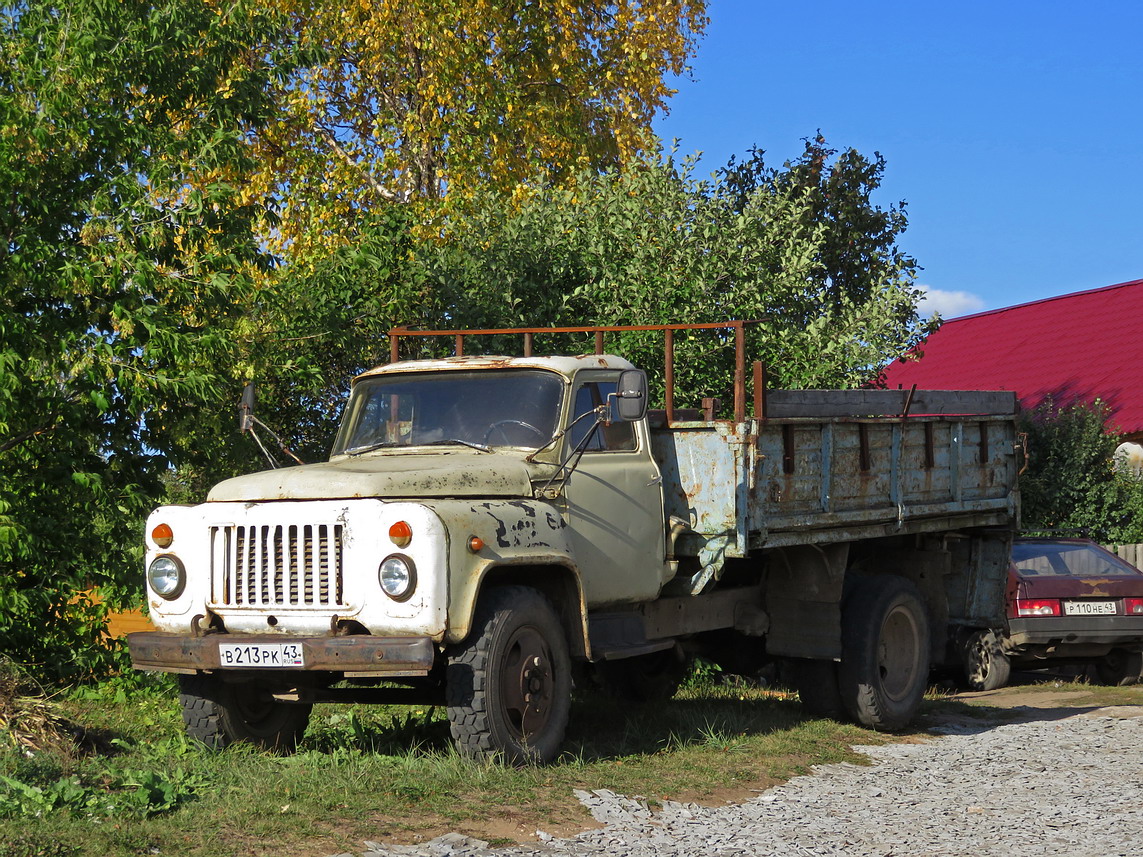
1133 606
1038 607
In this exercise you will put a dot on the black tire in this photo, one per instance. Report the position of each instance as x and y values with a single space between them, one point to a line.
1120 667
508 686
885 652
646 678
817 685
219 714
986 667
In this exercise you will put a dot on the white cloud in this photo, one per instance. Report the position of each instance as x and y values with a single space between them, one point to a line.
948 304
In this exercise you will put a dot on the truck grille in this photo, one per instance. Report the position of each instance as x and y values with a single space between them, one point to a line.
276 566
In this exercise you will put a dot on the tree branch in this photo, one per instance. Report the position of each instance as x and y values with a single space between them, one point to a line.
377 187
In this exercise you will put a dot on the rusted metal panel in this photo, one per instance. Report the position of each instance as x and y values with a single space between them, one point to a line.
702 466
153 650
824 404
818 479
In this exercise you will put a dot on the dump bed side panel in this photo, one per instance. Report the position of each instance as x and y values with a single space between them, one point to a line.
843 474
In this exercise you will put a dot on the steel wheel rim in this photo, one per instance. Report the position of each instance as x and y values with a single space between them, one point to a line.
897 653
527 682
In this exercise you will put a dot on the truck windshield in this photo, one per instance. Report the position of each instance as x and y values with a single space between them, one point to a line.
481 409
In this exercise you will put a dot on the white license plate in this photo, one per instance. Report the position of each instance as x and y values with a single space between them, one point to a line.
261 655
1089 608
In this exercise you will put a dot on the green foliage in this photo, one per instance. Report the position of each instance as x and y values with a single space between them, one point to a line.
126 253
316 326
103 791
654 245
1070 484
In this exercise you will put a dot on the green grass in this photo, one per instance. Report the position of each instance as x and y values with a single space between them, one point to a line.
137 786
386 774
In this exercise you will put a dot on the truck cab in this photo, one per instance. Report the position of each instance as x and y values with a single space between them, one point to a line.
446 479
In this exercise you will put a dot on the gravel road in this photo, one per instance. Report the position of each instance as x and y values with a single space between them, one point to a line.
1071 787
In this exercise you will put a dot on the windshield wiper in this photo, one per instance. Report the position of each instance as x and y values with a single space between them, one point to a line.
452 440
369 447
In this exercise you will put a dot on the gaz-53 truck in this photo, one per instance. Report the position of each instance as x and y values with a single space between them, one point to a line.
489 530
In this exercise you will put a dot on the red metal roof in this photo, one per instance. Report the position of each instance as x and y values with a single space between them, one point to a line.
1081 346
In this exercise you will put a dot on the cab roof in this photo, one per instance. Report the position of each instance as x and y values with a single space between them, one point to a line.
566 366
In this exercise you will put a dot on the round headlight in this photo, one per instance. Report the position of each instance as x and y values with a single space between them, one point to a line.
166 577
398 577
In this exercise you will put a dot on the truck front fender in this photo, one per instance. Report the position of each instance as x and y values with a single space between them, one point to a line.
524 542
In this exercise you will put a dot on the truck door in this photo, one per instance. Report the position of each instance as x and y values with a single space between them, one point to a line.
615 502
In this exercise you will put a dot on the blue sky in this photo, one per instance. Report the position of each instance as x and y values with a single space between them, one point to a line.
1013 130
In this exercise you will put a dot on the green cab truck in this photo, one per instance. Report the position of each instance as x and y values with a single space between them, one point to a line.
490 530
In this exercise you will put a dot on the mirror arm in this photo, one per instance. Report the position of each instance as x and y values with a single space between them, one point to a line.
531 456
576 453
281 443
265 452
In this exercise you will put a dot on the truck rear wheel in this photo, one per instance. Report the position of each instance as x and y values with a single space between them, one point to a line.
219 714
885 661
986 667
508 686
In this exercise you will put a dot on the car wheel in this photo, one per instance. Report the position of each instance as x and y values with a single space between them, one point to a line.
885 652
1120 667
508 686
219 714
986 667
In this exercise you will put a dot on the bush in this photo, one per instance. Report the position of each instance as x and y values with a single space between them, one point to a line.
1070 484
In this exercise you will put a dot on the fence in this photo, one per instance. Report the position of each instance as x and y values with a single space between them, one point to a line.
1132 553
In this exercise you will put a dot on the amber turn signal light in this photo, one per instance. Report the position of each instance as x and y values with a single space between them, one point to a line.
162 535
401 534
475 543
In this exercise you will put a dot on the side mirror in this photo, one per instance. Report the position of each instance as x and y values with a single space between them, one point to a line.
630 396
246 409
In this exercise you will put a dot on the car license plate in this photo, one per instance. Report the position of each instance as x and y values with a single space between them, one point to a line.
1089 608
261 655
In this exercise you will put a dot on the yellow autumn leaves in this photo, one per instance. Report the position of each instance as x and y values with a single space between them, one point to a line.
428 101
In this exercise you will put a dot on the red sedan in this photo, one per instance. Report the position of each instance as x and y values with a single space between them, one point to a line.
1069 601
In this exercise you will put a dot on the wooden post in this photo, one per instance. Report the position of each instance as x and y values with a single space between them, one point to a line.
669 369
460 345
527 345
599 342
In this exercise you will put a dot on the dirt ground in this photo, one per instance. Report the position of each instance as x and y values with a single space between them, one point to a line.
1035 696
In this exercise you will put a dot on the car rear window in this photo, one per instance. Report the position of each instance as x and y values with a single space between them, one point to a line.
1068 560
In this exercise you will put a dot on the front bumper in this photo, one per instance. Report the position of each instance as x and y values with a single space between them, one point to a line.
354 656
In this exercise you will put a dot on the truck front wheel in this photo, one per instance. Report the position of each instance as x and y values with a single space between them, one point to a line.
508 686
219 713
885 652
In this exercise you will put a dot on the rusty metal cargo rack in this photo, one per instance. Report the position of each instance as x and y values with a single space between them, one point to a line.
529 334
768 405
